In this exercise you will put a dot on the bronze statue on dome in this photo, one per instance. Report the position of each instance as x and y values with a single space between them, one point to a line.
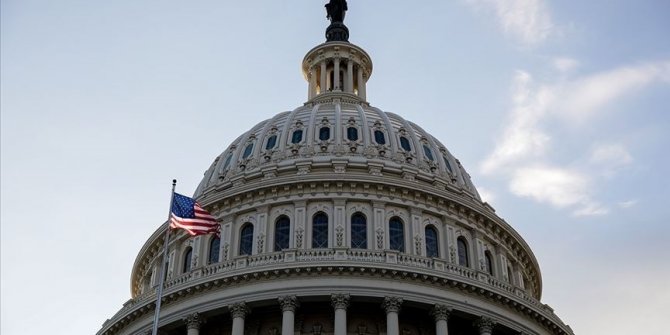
336 10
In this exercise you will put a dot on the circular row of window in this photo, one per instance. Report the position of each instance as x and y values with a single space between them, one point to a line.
352 135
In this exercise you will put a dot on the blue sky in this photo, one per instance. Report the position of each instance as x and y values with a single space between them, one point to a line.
558 110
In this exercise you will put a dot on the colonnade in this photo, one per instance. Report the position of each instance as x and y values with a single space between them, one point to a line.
322 79
340 303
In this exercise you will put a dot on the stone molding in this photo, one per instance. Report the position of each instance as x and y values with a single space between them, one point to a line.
339 300
288 303
392 304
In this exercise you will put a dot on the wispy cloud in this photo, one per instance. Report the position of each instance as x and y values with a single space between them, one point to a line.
628 203
521 153
527 20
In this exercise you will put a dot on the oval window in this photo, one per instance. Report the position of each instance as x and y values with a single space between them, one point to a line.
297 136
379 137
428 152
404 143
352 134
272 141
324 133
248 150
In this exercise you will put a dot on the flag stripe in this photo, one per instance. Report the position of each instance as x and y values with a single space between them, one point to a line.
188 215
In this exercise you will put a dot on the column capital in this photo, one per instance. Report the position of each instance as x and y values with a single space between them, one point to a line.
193 321
392 304
440 312
239 310
340 300
288 303
484 324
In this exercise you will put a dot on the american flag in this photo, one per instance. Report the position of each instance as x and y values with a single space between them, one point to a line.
188 215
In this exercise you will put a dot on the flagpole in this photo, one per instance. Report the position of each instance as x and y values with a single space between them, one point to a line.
159 294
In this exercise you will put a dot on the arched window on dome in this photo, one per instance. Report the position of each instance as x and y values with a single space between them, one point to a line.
428 153
282 233
432 243
188 254
396 234
246 239
297 136
404 144
446 163
227 163
463 258
359 231
214 246
352 134
320 230
272 141
248 150
489 262
324 133
379 137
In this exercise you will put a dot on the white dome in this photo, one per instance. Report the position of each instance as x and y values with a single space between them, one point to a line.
318 136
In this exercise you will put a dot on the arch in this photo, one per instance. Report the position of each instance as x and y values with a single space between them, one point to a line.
432 242
396 234
463 258
320 230
214 246
359 231
246 239
489 262
186 265
282 233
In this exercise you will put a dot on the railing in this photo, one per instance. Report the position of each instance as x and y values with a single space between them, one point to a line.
294 257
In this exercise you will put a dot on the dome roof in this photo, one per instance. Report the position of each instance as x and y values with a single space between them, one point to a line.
336 131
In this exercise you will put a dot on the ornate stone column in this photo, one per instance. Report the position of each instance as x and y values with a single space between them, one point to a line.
441 315
238 312
288 306
340 303
392 307
311 75
360 82
193 322
349 87
336 75
324 78
485 325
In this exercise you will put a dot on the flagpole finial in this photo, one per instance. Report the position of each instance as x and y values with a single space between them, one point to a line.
174 182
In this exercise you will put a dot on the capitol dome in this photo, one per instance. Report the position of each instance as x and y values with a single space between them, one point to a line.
337 218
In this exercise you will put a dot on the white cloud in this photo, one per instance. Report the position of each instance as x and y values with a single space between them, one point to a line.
628 203
486 195
565 64
586 97
527 20
613 155
520 154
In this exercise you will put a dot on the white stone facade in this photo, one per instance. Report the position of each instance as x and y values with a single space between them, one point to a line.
338 219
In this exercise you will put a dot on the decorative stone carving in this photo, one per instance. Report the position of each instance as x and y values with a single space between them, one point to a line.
339 301
392 304
288 303
239 310
225 250
417 244
440 312
193 321
339 233
380 238
452 254
298 237
260 242
485 325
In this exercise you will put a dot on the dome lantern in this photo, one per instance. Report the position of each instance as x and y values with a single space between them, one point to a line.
337 67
